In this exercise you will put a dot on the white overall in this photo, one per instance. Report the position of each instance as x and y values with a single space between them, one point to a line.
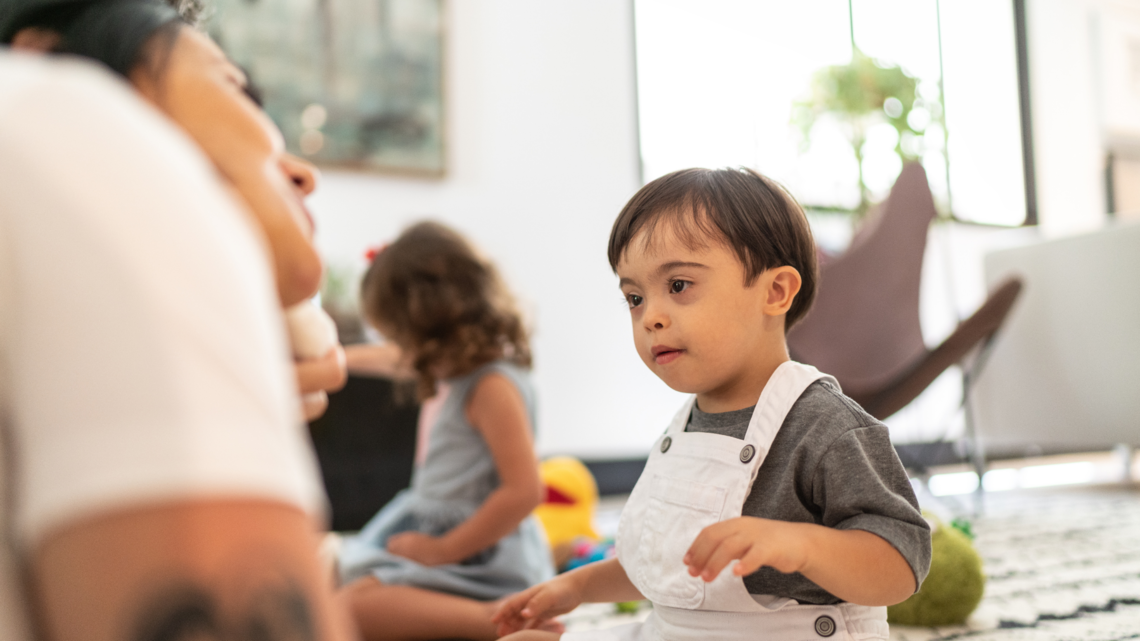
695 479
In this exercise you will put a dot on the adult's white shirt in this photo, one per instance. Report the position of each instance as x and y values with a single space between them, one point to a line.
142 352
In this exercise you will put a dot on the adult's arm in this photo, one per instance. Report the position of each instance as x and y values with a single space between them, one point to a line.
213 568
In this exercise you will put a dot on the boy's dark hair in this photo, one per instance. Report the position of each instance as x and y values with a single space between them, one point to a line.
745 210
434 296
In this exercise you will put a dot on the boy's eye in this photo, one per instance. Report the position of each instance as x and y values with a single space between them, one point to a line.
679 286
633 299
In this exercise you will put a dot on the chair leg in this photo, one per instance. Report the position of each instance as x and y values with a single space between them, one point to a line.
977 452
1124 453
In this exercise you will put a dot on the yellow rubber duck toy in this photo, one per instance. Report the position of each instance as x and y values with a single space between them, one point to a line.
567 513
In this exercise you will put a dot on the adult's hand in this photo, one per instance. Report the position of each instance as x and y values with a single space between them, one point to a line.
316 377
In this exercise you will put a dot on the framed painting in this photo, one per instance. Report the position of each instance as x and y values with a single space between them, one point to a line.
354 84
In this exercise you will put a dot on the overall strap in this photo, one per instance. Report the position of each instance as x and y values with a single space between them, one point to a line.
784 388
681 419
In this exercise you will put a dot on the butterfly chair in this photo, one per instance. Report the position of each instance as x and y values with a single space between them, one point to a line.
864 327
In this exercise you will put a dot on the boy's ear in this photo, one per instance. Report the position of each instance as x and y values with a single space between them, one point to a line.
782 285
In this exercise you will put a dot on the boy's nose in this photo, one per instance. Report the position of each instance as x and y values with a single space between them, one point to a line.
654 318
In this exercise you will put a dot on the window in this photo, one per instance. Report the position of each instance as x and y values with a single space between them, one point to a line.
737 82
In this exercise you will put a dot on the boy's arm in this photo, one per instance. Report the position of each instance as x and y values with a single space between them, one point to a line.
601 582
858 566
871 545
605 582
854 565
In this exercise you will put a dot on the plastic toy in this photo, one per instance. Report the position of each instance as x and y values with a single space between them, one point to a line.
954 586
567 514
584 551
629 607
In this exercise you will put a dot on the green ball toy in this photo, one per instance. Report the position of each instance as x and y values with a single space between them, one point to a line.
952 589
628 607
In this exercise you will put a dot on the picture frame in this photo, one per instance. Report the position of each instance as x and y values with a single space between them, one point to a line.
352 84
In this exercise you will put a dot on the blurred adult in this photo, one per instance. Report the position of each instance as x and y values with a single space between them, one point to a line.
185 75
155 481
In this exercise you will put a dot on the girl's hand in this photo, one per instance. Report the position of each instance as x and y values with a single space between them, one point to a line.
419 547
535 606
754 541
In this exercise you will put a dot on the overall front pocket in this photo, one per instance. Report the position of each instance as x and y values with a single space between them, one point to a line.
677 511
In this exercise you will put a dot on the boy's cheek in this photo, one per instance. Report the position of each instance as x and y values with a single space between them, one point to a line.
645 355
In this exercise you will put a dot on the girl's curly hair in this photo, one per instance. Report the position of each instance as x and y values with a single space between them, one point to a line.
431 293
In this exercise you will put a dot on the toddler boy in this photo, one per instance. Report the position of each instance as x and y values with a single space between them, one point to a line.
773 506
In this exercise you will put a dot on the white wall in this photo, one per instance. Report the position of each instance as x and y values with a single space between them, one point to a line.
1067 131
1064 374
542 154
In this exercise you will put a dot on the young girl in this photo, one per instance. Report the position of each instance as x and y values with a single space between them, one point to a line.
430 562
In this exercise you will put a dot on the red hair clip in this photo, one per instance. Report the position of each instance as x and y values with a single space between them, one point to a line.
371 253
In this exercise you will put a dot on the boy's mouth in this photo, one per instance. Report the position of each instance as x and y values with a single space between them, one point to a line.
664 355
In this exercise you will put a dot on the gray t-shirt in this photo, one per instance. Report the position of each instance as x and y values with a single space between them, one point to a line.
831 464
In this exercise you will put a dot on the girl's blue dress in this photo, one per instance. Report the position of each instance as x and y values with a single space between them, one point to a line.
454 480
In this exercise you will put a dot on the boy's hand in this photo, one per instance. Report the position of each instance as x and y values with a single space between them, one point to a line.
755 542
536 605
419 547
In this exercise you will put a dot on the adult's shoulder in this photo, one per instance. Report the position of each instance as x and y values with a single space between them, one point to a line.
39 88
23 76
59 111
140 323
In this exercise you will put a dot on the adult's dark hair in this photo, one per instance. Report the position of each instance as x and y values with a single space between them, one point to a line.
114 32
192 12
741 208
432 294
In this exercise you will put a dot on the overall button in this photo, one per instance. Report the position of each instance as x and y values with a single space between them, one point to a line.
825 626
747 453
665 444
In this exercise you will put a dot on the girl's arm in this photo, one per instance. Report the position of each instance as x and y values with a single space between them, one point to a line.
497 411
384 360
854 565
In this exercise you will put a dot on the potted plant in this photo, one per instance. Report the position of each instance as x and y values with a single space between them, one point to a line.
859 95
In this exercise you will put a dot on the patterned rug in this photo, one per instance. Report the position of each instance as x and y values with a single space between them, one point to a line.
1061 565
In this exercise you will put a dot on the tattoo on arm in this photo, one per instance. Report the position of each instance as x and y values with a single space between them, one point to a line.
192 613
